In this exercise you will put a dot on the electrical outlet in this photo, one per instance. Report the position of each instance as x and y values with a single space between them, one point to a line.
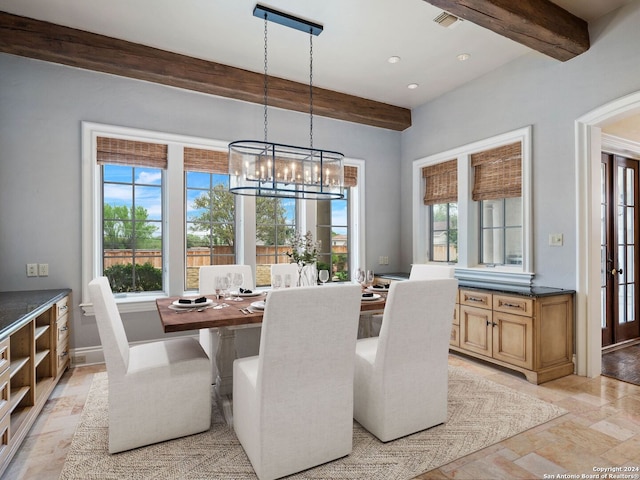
78 359
43 269
32 269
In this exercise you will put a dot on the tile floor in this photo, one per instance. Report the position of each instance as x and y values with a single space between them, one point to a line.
602 429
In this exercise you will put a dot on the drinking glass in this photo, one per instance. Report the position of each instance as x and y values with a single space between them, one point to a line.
324 276
224 287
360 276
369 278
287 280
218 287
238 280
276 281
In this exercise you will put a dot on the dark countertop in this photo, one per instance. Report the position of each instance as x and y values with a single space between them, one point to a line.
528 291
17 308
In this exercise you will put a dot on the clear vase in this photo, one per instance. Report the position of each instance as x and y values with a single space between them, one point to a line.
307 275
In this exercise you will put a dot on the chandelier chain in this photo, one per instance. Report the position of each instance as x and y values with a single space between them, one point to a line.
311 88
266 78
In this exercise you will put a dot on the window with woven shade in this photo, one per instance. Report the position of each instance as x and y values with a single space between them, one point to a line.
132 214
488 184
441 196
156 206
210 212
498 187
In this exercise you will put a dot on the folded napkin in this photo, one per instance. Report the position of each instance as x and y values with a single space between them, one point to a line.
245 290
367 294
381 287
189 301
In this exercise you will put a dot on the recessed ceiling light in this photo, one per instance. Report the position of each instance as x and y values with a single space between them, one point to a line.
412 86
464 56
393 59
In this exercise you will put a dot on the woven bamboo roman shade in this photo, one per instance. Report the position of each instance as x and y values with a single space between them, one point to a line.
131 152
497 172
350 176
210 161
441 182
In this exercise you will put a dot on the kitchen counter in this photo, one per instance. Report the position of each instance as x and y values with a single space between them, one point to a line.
18 308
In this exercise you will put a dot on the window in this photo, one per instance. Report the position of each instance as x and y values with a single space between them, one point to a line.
441 195
444 232
501 231
275 224
332 229
210 213
167 205
132 175
486 224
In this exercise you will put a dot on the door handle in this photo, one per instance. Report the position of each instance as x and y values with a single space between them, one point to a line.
614 271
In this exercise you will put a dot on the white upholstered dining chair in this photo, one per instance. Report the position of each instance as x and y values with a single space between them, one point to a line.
283 269
157 391
419 271
401 376
426 271
247 341
293 403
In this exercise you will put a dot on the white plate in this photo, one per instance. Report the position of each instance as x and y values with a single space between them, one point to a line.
371 289
252 294
259 305
375 296
192 305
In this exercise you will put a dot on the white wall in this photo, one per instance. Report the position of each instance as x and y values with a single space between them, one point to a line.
41 108
550 95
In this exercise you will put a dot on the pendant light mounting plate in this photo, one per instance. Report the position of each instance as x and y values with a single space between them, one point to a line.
287 20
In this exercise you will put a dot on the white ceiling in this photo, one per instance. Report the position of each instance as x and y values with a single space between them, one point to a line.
349 56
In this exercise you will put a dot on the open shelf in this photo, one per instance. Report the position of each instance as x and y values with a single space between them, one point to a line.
17 364
41 331
40 356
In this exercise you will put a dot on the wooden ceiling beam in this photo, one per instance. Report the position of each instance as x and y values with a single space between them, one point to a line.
538 24
68 46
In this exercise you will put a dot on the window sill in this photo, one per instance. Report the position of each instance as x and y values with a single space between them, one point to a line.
127 304
500 275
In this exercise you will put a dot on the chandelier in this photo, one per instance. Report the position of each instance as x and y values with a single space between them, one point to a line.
267 169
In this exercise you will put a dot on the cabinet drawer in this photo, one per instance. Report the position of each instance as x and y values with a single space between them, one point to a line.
62 307
4 354
5 388
456 315
63 329
474 298
63 355
515 305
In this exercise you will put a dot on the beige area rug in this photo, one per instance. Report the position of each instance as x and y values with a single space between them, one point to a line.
480 414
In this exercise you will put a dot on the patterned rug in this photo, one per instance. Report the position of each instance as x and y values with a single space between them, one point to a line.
480 413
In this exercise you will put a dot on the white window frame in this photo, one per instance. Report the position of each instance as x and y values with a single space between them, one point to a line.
173 279
468 267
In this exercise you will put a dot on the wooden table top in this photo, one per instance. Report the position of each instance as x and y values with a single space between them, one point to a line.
230 316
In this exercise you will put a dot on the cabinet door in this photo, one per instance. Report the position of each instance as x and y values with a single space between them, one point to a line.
475 330
513 339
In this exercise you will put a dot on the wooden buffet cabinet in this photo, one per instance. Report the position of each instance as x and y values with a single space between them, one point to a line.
34 353
527 329
531 331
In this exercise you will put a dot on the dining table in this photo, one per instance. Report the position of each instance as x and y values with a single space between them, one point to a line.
225 316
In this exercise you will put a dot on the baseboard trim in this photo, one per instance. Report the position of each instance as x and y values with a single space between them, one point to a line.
85 356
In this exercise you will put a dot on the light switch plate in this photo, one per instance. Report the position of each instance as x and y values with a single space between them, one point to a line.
555 240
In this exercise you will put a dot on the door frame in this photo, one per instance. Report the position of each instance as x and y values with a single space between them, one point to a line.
588 147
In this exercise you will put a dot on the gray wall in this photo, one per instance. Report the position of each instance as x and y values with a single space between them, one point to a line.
550 95
42 106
